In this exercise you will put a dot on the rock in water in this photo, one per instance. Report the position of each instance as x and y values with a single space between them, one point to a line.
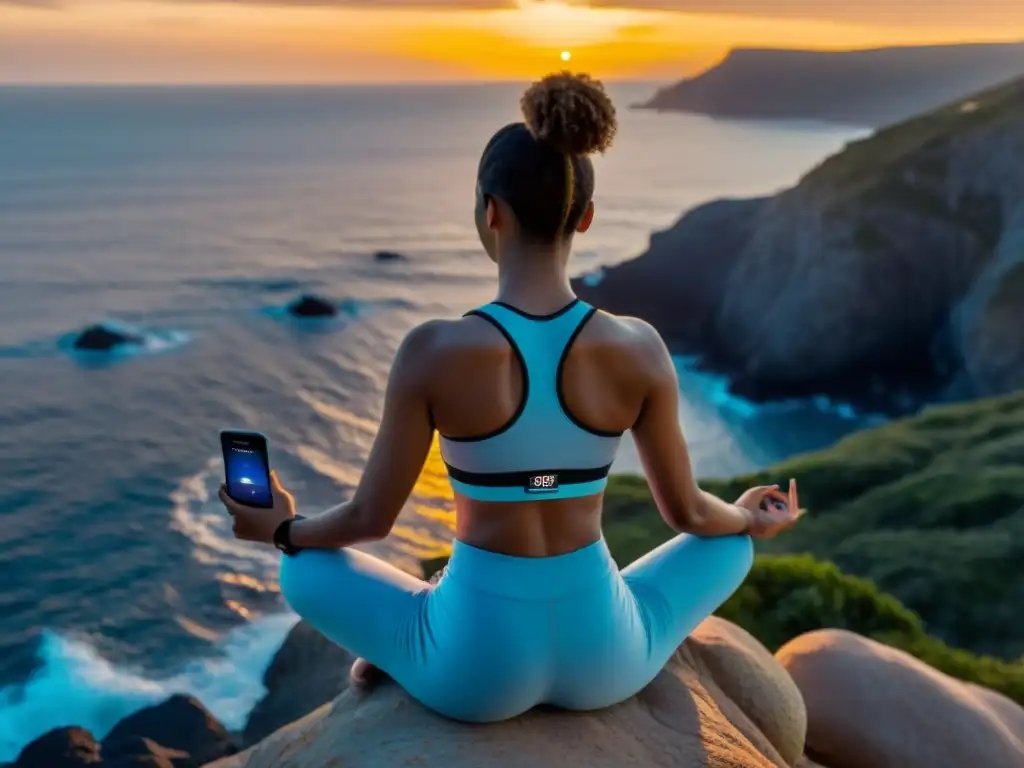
61 748
722 700
312 306
388 256
99 338
870 706
179 724
307 671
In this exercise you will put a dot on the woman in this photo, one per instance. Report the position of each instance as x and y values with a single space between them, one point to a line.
530 395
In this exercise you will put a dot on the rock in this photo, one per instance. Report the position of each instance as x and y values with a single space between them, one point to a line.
137 752
678 284
61 748
868 87
889 277
99 338
721 701
312 306
388 256
872 706
181 723
307 671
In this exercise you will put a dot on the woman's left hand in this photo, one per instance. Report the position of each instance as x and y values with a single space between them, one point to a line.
256 523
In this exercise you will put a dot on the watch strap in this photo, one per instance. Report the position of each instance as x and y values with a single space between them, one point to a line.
282 537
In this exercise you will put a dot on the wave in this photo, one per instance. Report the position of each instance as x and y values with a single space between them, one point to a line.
270 285
715 387
76 686
199 517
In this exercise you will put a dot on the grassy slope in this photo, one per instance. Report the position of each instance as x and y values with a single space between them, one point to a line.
864 162
930 508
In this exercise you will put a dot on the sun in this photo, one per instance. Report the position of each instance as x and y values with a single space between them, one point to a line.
566 55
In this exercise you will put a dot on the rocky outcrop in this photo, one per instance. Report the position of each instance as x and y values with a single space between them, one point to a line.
721 701
178 733
678 284
180 723
307 671
100 338
138 752
61 748
312 306
827 699
868 87
872 705
890 275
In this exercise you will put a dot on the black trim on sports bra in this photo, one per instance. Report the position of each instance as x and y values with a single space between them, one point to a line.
552 316
514 479
558 382
526 384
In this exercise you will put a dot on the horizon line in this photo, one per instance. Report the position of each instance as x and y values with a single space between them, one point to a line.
305 84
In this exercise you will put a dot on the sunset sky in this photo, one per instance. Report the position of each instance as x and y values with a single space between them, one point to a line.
316 41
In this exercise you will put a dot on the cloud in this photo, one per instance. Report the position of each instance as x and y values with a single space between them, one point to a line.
49 5
927 13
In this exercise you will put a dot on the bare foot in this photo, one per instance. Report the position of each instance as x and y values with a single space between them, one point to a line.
364 675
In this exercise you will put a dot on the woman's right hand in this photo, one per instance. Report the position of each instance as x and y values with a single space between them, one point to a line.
771 511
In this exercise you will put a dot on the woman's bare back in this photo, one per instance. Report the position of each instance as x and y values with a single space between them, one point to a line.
476 387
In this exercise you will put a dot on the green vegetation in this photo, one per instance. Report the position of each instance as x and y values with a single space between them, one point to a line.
930 508
917 144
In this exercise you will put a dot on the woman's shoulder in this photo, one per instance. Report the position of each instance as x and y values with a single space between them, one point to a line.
631 333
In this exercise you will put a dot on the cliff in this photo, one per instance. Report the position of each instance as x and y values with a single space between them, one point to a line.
866 87
890 275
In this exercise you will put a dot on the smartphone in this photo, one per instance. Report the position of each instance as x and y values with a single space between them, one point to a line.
247 467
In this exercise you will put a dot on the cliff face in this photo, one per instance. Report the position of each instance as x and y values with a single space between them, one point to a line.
892 272
868 87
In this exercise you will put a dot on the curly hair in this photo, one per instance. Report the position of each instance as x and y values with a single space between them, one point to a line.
541 167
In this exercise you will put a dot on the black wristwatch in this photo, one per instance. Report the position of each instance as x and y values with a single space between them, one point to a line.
282 539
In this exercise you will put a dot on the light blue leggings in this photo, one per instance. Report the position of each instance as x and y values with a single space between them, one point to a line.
498 634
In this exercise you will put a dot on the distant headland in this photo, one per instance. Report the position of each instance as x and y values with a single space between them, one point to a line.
866 87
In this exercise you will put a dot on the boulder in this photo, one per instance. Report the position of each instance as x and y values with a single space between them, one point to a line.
312 306
722 700
307 671
137 752
872 706
180 724
61 748
100 338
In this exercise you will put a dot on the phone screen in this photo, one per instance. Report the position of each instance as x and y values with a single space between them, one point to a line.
247 468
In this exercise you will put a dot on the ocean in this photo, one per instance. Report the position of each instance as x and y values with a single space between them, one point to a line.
195 215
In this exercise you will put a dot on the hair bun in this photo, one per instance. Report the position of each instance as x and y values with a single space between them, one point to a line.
570 112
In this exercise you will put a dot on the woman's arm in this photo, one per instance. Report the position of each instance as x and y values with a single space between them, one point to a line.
396 458
666 460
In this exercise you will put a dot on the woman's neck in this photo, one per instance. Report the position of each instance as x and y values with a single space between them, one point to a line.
534 280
